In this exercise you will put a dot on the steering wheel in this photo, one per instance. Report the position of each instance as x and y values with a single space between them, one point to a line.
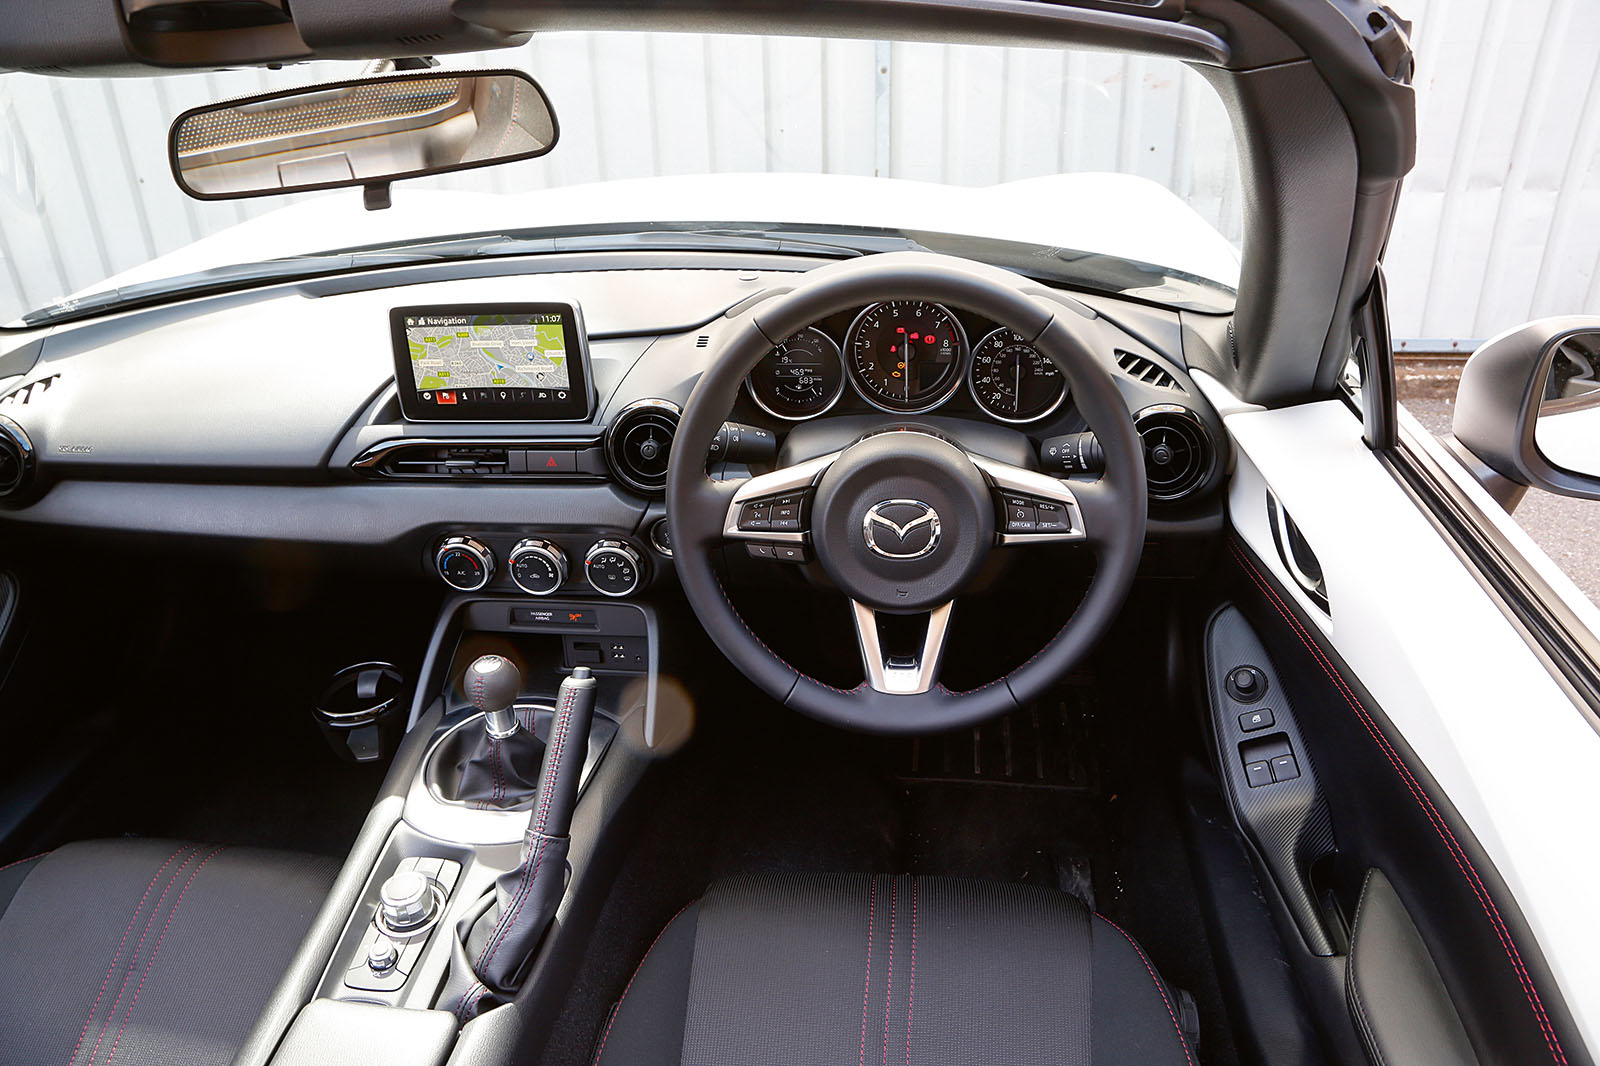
901 520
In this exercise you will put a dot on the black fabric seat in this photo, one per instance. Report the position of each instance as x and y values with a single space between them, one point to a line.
779 970
146 951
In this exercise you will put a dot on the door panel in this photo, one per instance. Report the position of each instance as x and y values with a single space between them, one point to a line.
1450 758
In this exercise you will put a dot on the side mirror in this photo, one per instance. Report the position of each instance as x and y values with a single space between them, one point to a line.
368 131
1528 407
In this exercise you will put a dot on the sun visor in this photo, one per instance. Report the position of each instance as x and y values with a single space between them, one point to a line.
128 37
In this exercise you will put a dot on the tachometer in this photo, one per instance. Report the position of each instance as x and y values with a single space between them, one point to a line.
906 355
799 378
1012 381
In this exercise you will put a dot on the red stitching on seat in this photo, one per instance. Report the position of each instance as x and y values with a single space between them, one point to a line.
629 986
30 858
134 1002
1463 862
911 984
888 988
1183 1041
120 945
194 851
866 989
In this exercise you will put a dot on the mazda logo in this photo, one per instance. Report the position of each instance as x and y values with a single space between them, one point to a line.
901 529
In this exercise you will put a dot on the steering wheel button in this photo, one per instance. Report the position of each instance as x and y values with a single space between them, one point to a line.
1021 517
760 551
789 553
755 516
1052 517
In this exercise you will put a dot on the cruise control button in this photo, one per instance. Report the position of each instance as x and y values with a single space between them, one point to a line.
1052 517
1021 516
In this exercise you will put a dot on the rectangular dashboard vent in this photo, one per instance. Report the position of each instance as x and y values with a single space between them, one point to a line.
436 462
1137 366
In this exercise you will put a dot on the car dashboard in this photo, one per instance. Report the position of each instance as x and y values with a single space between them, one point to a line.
275 414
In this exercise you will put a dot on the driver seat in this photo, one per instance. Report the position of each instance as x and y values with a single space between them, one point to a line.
790 970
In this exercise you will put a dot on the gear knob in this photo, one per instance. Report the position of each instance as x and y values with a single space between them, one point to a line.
492 684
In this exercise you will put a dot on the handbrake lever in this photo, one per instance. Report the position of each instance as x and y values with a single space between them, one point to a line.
497 940
564 757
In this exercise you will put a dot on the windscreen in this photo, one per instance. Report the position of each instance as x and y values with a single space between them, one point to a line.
1072 152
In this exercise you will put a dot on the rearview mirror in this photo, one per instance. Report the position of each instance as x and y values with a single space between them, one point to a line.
368 131
1528 406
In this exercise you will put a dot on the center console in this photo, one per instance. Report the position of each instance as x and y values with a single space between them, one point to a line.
494 846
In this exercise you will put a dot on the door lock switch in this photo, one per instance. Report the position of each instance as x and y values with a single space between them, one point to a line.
1250 721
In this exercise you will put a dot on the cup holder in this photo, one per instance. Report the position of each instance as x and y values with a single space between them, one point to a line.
357 710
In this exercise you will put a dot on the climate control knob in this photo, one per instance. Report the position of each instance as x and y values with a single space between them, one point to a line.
465 564
538 567
613 568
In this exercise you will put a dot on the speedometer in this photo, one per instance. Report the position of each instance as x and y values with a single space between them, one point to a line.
1011 379
799 378
906 355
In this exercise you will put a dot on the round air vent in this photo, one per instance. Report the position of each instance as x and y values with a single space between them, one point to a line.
1177 450
16 458
639 443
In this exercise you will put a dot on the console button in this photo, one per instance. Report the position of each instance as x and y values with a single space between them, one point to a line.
1257 774
613 568
1284 768
552 462
382 956
1250 721
464 564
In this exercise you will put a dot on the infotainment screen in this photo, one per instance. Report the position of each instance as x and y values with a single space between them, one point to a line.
499 363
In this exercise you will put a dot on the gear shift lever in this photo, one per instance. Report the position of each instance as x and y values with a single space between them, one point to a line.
497 768
492 684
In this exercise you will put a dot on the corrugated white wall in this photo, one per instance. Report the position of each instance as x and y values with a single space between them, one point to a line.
85 189
1500 221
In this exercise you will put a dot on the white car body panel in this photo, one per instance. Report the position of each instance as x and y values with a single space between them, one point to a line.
1133 218
1455 677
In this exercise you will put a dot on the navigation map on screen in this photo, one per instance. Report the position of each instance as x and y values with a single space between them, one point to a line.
477 351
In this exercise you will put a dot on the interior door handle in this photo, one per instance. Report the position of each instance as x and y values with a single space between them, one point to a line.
1295 554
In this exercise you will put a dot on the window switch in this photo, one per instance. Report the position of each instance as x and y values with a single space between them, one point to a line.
1258 774
1284 768
1250 721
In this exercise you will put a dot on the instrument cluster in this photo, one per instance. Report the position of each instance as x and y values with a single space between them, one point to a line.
907 357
